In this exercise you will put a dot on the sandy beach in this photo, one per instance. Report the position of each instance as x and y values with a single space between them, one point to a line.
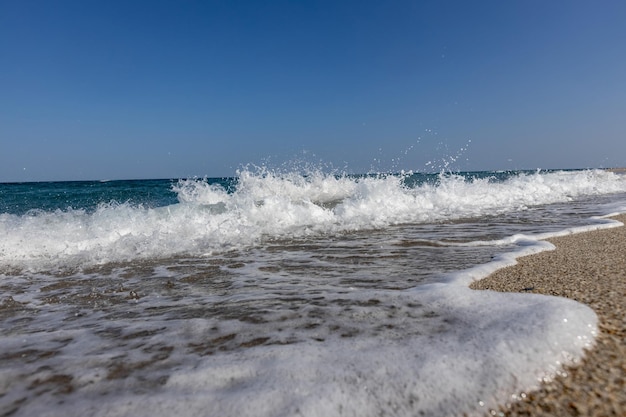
590 268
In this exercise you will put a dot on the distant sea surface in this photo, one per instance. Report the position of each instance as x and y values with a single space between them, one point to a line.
284 294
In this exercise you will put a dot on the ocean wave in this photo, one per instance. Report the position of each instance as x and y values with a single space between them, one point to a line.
260 205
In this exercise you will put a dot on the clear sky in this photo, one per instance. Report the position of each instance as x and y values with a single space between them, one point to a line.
161 89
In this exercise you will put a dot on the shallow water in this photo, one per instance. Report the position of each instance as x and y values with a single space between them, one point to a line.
363 314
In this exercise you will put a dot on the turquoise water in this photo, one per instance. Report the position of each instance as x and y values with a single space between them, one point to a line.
19 198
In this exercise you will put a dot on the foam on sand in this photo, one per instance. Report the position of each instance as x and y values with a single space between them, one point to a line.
589 268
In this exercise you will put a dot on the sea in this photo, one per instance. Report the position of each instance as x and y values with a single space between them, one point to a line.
287 293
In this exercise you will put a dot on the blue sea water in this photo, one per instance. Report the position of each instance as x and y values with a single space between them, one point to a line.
282 293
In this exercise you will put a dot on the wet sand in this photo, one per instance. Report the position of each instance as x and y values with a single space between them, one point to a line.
590 268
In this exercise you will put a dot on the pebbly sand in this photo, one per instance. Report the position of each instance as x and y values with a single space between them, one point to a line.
590 268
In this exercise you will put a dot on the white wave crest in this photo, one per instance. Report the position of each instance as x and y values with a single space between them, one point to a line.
269 205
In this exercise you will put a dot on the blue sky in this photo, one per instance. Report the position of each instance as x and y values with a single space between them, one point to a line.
162 89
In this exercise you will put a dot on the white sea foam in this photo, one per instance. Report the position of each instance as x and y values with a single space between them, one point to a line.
438 349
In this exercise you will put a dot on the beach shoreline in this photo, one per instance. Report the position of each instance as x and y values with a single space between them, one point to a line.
589 267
